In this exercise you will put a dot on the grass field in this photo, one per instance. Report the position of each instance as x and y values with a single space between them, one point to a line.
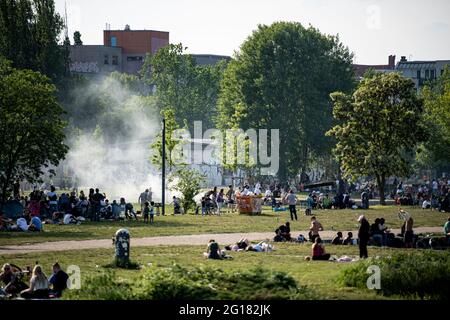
319 276
227 223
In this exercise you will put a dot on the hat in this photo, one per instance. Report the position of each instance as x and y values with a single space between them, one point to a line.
361 217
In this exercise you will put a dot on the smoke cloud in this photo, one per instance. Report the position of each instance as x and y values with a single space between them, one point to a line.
115 156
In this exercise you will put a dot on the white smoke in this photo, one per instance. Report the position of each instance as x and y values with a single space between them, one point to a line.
121 168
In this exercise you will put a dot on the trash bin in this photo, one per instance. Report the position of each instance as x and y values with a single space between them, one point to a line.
122 246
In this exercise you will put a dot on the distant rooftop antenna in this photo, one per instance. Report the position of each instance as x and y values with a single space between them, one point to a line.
66 23
108 26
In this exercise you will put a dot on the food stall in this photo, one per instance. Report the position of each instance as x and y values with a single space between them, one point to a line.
249 204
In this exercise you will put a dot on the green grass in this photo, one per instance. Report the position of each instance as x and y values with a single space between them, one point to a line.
320 276
227 223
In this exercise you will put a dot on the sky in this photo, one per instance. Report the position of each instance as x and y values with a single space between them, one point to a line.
371 29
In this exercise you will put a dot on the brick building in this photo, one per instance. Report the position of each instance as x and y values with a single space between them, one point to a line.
135 45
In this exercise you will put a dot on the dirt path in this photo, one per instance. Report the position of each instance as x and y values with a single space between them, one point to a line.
201 239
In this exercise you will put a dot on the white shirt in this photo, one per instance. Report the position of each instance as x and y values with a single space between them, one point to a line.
425 204
268 193
67 218
52 194
257 192
22 224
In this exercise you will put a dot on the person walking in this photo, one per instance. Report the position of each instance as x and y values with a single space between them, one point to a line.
409 232
363 235
291 199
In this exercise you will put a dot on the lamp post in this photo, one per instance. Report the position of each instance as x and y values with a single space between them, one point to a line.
163 200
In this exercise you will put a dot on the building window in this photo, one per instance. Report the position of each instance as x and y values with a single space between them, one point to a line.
113 42
427 74
418 74
106 59
432 75
115 60
137 58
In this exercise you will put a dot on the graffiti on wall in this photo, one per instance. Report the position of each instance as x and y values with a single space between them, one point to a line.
84 67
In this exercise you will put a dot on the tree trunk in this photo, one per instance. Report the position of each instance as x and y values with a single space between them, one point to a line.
381 180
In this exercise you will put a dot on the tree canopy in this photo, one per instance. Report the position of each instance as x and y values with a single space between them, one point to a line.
30 126
183 86
29 36
281 79
435 153
379 128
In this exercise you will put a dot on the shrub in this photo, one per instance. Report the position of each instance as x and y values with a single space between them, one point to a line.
207 283
199 283
424 275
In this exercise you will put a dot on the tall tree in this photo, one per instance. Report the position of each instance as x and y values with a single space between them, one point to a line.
77 38
281 79
30 126
379 128
435 153
183 86
30 34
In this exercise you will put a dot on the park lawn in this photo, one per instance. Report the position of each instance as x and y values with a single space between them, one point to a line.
319 276
227 223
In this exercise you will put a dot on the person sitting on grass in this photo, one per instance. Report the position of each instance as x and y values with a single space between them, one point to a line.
70 219
348 240
337 240
213 251
58 281
35 224
278 236
38 285
318 250
285 230
4 222
9 281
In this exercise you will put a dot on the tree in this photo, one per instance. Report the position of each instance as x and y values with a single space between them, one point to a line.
379 128
188 183
173 142
435 153
183 86
29 36
77 38
281 79
30 126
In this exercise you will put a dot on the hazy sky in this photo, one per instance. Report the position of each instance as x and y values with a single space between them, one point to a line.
372 29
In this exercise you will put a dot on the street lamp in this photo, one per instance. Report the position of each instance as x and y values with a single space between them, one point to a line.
163 166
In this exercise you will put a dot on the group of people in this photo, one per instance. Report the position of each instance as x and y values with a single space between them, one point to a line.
47 207
433 195
40 287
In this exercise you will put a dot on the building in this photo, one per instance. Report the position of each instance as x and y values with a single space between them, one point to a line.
93 60
135 45
361 69
421 71
209 59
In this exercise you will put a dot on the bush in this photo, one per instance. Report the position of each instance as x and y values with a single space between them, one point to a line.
424 275
194 284
206 283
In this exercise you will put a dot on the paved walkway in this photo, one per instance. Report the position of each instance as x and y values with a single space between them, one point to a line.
201 239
